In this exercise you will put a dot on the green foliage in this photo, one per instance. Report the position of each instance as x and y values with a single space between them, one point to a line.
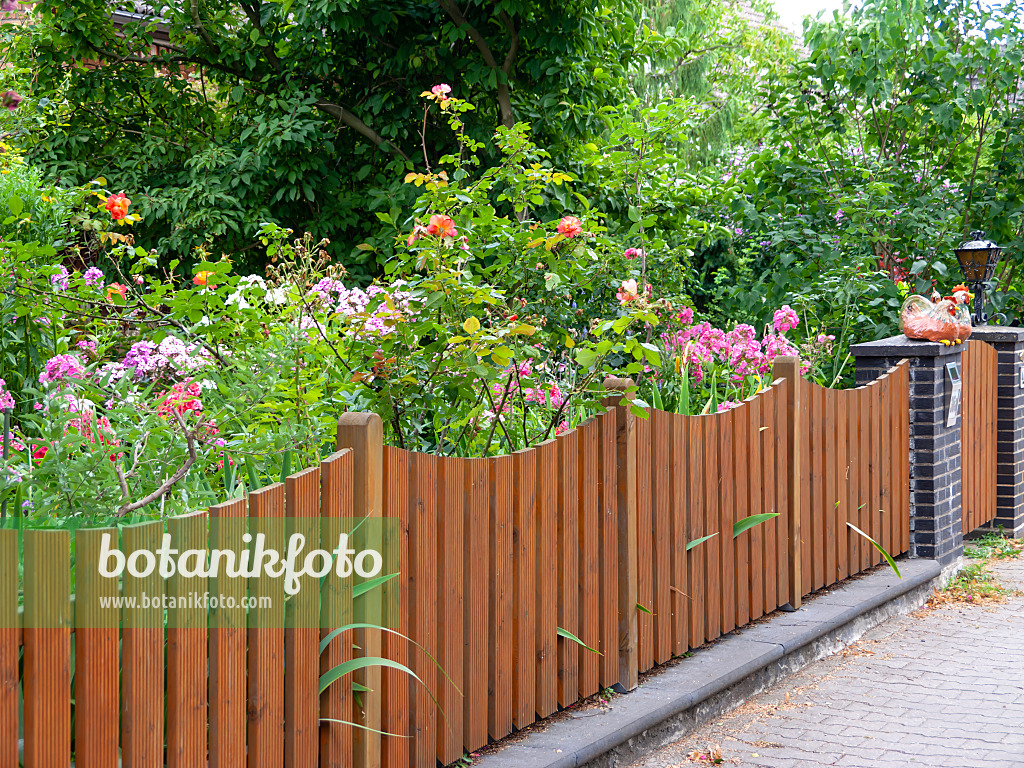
884 147
302 112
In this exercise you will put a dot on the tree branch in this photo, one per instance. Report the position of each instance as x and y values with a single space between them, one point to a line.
194 10
173 479
504 98
356 124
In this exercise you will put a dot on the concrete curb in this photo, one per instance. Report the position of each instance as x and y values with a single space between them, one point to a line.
672 703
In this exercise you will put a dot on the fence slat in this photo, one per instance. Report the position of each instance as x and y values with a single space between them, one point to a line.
524 569
547 577
904 462
588 527
866 467
885 490
745 455
142 675
830 469
875 414
47 672
364 434
661 461
423 479
726 517
645 543
395 683
266 662
97 650
764 489
853 479
712 524
9 653
568 566
186 651
227 645
336 703
679 477
697 529
499 703
842 399
818 510
302 636
608 488
477 574
451 488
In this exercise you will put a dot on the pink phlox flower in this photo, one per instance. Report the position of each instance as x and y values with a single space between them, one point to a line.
726 405
61 280
785 319
6 398
60 368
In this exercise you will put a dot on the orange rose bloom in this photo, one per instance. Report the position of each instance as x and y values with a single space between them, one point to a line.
203 278
118 206
118 289
441 225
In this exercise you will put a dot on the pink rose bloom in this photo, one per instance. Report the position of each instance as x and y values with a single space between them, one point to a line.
570 226
441 90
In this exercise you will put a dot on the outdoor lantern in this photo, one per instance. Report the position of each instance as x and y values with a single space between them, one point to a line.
978 258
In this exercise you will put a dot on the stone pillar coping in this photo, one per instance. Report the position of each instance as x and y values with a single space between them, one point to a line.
997 333
901 346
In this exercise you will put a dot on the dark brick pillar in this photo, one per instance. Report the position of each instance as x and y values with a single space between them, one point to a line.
936 526
1009 346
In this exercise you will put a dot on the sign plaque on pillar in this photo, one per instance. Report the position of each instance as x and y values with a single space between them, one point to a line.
953 411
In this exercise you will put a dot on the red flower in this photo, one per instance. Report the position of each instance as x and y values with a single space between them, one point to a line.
117 289
39 452
118 206
442 226
570 226
202 278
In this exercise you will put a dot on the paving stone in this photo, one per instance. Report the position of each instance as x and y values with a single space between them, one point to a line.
942 688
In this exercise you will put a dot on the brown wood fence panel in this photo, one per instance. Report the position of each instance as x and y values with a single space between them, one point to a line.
547 578
97 654
423 537
9 651
608 489
337 702
142 664
568 566
477 578
588 526
265 707
187 649
500 670
46 679
978 434
858 459
227 648
302 637
645 542
451 488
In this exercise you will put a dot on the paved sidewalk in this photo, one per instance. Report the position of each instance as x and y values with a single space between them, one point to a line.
943 687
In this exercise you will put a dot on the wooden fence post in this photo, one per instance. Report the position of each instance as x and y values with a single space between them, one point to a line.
625 431
788 368
364 434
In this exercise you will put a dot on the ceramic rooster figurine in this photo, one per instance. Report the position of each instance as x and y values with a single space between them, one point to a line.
943 319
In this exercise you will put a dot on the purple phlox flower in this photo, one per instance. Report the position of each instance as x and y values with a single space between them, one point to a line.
93 276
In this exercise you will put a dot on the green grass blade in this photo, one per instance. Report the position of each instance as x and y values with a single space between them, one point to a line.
749 522
880 548
701 540
645 610
364 727
361 589
570 636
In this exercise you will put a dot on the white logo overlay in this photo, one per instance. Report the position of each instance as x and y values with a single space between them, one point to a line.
246 563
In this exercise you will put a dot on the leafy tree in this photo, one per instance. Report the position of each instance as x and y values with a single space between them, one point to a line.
304 111
885 147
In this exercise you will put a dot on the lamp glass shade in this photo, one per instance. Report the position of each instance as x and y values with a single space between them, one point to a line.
978 259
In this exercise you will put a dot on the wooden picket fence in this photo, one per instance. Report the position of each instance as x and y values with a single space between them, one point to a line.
500 558
979 364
